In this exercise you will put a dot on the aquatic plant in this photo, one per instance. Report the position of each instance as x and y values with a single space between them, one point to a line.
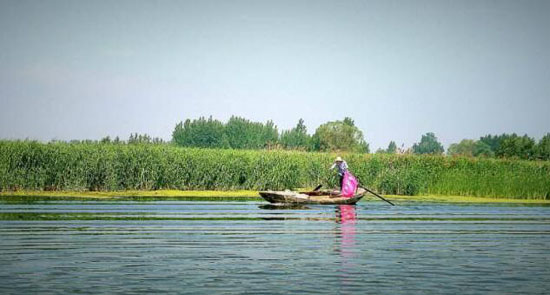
62 166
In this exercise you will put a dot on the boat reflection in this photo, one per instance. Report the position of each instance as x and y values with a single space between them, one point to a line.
283 207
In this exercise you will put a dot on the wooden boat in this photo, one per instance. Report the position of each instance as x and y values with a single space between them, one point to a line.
325 197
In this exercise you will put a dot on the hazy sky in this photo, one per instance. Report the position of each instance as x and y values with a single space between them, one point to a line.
461 69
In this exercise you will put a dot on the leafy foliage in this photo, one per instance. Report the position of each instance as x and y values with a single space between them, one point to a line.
482 149
135 138
392 148
515 146
200 133
238 133
339 136
493 141
428 145
244 134
542 149
466 147
296 138
501 146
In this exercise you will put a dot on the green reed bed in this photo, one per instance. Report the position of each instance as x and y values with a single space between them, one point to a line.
26 165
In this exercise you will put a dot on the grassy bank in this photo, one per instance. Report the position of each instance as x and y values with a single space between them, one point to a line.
134 193
63 167
241 195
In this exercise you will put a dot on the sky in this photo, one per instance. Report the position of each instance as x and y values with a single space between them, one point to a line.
460 69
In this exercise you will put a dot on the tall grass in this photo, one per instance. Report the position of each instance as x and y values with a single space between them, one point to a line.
93 166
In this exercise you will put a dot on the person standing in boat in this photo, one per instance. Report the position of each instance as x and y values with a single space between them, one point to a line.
342 168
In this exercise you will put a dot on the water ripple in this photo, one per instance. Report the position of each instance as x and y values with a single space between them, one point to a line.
64 246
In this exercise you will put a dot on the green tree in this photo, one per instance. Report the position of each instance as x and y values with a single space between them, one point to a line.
543 148
515 146
428 145
494 142
392 148
339 136
482 149
270 135
466 147
296 138
380 151
136 138
244 134
199 133
157 140
237 131
106 139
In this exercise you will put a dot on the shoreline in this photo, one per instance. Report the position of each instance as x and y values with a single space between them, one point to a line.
244 194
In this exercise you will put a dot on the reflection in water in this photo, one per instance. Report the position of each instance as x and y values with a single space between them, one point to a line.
345 214
346 217
283 207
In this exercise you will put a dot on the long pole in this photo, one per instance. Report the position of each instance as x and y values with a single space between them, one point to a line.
368 190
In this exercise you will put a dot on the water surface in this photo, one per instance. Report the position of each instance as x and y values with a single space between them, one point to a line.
236 247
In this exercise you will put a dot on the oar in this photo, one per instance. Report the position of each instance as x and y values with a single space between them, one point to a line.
317 187
368 190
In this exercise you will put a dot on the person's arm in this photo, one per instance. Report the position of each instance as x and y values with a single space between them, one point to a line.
344 166
332 167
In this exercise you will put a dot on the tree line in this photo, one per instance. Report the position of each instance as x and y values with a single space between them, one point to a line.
503 146
135 138
488 146
240 133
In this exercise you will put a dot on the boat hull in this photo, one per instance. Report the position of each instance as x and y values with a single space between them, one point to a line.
291 197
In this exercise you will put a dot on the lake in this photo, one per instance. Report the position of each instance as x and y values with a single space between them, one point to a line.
188 246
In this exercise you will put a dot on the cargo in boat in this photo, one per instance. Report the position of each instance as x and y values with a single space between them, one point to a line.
314 197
